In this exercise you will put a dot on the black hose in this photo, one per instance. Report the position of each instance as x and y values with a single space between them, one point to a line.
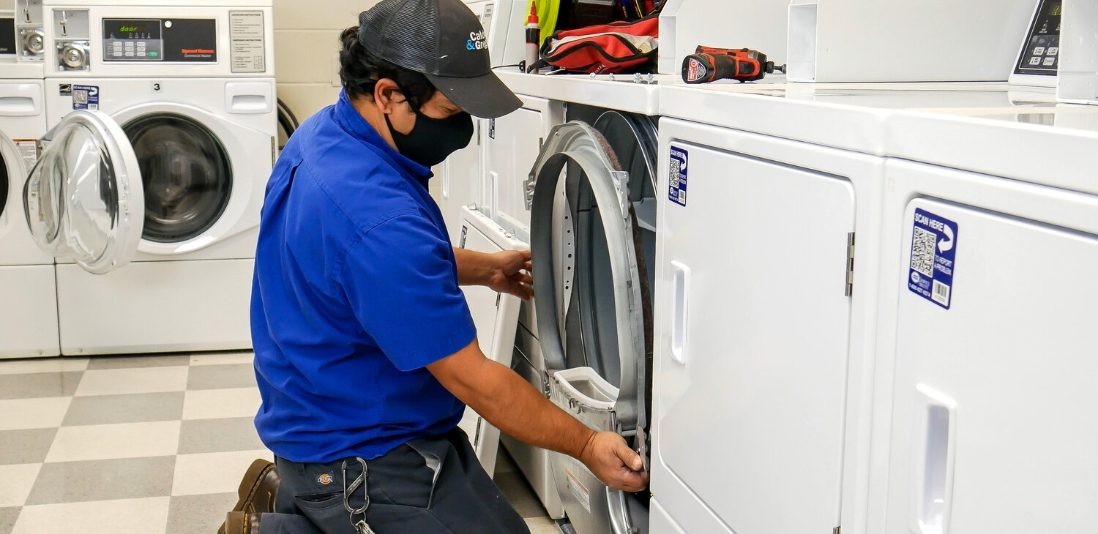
286 119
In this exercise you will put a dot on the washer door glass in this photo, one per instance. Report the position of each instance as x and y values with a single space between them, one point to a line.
186 174
79 196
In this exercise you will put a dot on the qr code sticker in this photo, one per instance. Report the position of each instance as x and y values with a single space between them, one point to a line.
676 169
922 251
80 97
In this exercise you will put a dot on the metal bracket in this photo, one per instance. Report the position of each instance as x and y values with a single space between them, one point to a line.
850 264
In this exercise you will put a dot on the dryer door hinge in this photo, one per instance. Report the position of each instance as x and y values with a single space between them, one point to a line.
849 266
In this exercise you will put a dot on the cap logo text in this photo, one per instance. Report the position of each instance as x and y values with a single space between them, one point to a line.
477 41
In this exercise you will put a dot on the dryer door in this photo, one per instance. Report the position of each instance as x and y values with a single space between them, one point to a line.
590 253
83 199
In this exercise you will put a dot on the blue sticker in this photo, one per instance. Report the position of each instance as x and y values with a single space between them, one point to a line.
676 190
85 97
933 253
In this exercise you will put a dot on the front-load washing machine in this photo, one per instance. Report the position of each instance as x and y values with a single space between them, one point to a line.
163 130
988 341
28 313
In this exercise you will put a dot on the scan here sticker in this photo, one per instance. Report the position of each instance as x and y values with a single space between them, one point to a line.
933 253
676 179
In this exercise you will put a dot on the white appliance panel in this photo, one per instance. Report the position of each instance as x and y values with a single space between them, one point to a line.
164 306
28 313
244 43
462 180
511 146
1008 446
759 247
495 316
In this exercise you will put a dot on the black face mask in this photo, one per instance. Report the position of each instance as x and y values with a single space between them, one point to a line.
432 140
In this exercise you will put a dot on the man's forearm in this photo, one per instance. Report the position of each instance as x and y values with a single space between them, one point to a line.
472 266
517 409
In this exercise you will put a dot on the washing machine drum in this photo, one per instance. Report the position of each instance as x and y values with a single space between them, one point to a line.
592 237
186 175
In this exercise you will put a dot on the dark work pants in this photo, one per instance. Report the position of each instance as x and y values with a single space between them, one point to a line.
425 486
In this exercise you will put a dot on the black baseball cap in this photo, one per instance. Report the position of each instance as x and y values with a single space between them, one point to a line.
443 40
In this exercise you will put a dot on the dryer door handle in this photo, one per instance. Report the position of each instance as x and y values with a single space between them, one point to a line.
679 306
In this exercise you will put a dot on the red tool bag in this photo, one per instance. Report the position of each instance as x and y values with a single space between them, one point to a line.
611 48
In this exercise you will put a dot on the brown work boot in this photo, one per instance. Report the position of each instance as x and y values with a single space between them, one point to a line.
241 523
257 496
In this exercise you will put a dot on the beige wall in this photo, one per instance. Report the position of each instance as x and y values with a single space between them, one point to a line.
307 53
307 48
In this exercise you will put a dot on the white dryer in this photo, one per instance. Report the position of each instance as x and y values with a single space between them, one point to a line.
763 330
28 315
163 130
987 344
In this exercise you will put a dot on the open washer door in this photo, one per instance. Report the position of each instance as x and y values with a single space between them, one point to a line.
592 240
84 198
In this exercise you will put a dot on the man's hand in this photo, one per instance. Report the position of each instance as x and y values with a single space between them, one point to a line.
609 458
509 272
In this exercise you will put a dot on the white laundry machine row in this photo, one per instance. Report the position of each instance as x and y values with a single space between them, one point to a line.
28 287
986 353
150 183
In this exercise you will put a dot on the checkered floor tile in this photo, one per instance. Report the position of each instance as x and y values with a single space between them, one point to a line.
141 444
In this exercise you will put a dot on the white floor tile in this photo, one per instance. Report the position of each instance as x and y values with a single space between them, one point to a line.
139 380
47 365
17 483
104 442
126 516
215 472
221 358
45 412
221 403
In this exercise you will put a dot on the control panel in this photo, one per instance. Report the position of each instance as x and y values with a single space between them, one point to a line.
1041 52
133 40
177 40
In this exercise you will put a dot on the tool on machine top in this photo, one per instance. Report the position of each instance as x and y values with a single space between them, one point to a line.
709 64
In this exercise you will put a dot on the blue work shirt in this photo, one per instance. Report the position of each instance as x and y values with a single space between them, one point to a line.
355 292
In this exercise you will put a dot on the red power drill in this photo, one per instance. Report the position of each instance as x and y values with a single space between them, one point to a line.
708 64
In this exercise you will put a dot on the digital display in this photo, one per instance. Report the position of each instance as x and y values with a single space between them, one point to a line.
134 29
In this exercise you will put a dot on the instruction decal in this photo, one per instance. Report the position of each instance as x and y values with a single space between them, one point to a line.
933 257
676 189
247 42
85 97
